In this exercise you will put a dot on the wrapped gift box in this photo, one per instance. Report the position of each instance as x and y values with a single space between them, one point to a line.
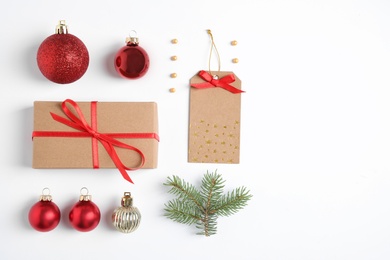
60 144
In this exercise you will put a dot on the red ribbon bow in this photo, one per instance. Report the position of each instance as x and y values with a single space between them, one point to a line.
107 139
222 82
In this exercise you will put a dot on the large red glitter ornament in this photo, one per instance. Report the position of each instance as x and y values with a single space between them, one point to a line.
45 214
84 215
62 57
131 61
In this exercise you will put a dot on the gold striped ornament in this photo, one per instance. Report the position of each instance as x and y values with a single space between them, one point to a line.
126 218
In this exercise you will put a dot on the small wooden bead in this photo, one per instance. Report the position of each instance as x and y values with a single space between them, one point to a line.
235 60
173 75
172 90
234 43
174 58
174 41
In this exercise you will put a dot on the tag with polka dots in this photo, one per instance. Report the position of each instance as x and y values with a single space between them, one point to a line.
215 117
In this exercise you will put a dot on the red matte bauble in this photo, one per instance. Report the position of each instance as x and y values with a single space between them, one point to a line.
84 216
44 216
62 57
132 61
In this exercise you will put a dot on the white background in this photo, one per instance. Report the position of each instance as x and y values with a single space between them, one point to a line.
315 143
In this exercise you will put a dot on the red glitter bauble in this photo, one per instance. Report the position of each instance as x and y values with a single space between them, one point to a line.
44 216
63 58
132 61
84 216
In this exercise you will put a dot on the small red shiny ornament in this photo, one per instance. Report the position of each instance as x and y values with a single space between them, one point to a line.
45 214
132 61
84 215
62 57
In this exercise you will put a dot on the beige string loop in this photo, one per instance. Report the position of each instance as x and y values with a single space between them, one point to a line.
211 51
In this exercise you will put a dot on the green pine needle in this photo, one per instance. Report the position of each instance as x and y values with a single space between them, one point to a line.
205 206
232 202
176 211
185 192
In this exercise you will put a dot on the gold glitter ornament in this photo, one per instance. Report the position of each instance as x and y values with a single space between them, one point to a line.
174 41
173 75
235 60
126 218
234 43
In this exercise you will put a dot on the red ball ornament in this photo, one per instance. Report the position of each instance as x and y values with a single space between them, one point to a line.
84 215
62 57
132 61
45 214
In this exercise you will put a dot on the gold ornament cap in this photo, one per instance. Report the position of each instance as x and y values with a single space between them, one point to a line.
84 196
45 198
45 195
132 39
127 200
61 27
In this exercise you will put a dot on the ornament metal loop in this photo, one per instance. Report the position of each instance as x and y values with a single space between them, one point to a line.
135 32
84 194
127 200
46 191
85 191
61 28
45 195
132 39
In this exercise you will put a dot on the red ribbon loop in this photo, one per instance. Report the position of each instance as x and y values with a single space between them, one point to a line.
78 122
212 83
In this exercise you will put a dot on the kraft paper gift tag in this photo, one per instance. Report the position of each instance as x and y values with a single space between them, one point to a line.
215 117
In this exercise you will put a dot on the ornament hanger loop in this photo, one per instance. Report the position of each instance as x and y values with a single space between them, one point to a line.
46 191
45 195
84 191
84 194
133 38
211 51
133 34
61 28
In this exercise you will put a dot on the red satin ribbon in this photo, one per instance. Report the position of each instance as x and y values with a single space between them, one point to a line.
212 83
95 153
107 139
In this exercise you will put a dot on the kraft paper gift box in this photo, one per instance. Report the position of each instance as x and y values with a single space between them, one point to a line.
115 134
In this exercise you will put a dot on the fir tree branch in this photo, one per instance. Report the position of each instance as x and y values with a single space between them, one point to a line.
211 188
177 211
208 225
205 206
232 202
185 191
211 192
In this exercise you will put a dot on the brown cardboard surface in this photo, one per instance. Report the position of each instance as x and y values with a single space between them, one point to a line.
112 117
214 123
